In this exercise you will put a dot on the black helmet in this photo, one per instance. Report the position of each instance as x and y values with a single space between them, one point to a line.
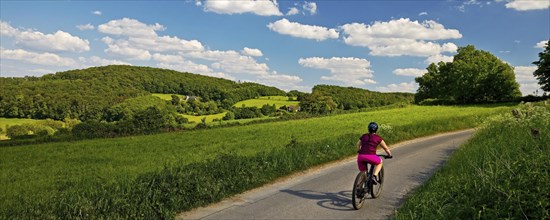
373 127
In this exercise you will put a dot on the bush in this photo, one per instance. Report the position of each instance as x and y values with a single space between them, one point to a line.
29 131
93 129
19 131
229 116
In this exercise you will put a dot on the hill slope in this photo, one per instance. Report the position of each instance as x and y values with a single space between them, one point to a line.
85 93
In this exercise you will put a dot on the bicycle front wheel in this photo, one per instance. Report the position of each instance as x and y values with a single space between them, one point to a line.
375 190
359 192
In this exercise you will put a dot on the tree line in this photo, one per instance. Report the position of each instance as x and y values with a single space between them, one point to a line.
328 98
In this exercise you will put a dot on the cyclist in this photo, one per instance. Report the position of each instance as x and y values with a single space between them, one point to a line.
366 149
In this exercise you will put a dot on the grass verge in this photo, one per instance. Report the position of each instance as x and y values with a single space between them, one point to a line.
501 173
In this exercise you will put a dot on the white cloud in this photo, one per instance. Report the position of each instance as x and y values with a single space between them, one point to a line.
293 11
166 43
348 70
123 49
526 5
59 41
164 58
98 61
83 27
311 7
96 12
439 58
130 27
401 37
525 73
179 63
48 59
191 67
279 79
409 72
137 39
541 44
232 62
295 29
401 87
423 13
527 82
258 7
252 52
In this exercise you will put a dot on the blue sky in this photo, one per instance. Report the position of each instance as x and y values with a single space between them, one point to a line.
376 45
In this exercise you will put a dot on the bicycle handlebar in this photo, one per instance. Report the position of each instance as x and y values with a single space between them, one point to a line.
385 156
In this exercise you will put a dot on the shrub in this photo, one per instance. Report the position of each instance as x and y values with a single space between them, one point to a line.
19 132
93 129
229 116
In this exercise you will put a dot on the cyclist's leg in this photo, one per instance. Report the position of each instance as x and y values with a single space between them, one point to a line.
376 162
377 168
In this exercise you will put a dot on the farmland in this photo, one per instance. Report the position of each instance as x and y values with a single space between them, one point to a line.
278 101
167 97
33 175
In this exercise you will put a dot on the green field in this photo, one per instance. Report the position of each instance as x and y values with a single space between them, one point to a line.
501 173
6 122
209 118
167 97
270 100
32 175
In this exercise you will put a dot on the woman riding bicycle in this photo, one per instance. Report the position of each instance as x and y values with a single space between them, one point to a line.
366 149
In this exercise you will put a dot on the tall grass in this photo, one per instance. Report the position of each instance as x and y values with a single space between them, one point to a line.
501 173
151 176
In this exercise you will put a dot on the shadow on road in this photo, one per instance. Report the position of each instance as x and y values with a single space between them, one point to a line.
340 201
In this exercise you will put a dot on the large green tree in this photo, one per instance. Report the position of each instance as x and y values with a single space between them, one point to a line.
474 76
543 71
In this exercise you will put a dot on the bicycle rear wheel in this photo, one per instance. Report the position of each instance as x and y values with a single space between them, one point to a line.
375 190
359 192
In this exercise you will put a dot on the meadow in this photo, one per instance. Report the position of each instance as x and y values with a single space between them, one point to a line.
167 97
270 100
102 178
501 173
209 118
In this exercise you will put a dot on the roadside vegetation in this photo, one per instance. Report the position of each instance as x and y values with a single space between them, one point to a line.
155 176
501 173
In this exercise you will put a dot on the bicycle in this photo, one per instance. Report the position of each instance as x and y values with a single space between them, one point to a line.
363 184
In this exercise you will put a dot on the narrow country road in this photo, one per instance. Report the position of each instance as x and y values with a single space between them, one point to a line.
325 192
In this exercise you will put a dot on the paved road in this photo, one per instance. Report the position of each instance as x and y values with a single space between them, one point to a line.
325 192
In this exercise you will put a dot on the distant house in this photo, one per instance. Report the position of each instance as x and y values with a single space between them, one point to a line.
293 108
190 98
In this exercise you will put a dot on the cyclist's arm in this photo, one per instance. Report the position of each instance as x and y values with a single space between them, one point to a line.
385 147
359 145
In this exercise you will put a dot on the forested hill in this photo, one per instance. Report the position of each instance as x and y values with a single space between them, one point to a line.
354 98
85 93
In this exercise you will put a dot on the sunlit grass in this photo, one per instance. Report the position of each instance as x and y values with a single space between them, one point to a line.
167 97
501 173
270 100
